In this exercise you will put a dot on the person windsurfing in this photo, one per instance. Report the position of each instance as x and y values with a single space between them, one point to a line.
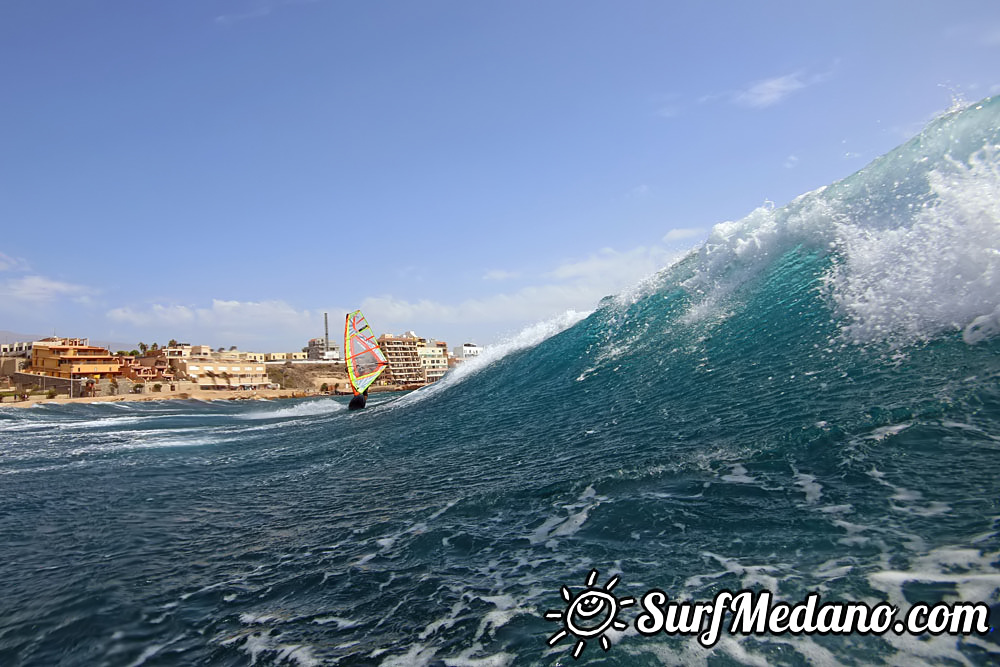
358 401
363 357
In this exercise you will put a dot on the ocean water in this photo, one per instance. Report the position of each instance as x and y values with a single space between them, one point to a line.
809 401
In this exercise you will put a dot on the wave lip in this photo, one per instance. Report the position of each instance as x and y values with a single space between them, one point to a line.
939 273
913 239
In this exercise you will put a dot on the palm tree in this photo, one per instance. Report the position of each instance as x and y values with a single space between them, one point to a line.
142 348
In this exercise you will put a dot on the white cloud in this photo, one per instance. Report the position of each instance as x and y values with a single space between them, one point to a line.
528 304
791 161
572 285
40 289
682 233
240 322
770 91
987 35
256 13
576 285
638 191
714 97
155 315
499 274
8 263
612 268
669 105
260 9
252 313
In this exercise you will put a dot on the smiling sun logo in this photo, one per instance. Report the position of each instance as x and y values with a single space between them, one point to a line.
590 614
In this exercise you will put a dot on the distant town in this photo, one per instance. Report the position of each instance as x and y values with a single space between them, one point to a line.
58 366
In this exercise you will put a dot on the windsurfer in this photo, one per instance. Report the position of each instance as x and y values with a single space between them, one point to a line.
358 401
363 357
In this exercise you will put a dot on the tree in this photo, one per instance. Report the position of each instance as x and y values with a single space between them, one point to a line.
142 348
154 347
134 353
232 348
172 342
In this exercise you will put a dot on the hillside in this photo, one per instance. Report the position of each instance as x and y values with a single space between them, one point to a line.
310 376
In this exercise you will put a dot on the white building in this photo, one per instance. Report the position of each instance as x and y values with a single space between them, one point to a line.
466 351
17 349
184 351
317 350
433 357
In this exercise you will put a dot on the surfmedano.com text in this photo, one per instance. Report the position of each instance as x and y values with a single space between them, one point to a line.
758 613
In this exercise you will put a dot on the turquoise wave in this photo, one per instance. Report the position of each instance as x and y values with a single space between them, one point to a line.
807 402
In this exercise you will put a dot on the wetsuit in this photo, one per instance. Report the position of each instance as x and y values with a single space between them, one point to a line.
357 402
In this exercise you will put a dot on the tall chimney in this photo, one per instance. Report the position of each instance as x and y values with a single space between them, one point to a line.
326 328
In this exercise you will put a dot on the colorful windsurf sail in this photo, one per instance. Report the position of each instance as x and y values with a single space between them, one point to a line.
365 361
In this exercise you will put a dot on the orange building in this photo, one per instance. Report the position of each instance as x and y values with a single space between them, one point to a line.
153 368
73 358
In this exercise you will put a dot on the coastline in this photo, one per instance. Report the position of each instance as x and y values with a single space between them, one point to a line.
195 394
198 394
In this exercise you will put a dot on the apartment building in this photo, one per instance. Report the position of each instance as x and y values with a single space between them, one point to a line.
16 349
433 356
219 373
467 351
154 368
405 367
317 350
131 369
184 350
73 358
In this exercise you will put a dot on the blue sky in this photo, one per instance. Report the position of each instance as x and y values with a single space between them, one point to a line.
223 172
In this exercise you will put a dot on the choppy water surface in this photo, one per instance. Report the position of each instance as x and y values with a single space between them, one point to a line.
808 402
